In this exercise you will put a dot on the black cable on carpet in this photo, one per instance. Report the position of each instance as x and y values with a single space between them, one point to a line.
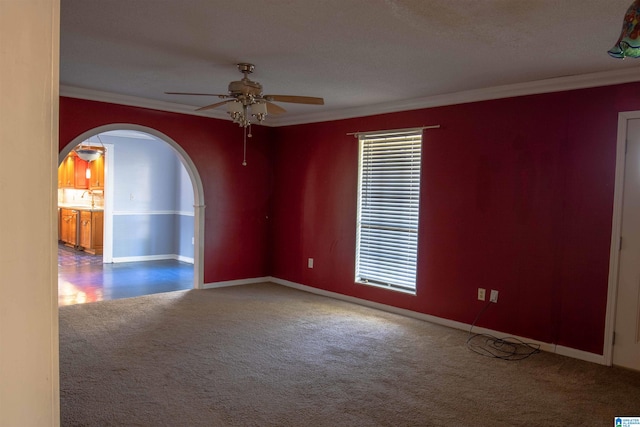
508 348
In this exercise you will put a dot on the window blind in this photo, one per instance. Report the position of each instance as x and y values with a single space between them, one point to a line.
388 209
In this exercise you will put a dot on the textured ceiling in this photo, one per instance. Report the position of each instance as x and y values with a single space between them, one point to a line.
361 56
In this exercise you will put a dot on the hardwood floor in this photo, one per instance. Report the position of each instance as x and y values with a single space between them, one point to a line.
83 278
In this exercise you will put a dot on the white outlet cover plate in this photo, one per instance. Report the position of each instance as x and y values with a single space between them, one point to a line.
494 296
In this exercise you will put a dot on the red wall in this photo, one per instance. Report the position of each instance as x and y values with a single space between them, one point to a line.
517 196
236 196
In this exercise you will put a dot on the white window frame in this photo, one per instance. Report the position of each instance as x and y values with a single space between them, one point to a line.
388 209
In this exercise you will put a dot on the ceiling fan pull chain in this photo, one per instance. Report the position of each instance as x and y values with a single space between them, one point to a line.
244 146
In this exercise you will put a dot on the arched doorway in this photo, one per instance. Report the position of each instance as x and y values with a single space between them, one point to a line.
189 167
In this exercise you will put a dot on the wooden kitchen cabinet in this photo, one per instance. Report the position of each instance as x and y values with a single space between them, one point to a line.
91 231
66 173
69 226
72 172
80 173
96 182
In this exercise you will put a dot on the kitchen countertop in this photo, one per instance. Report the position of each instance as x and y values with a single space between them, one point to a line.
81 207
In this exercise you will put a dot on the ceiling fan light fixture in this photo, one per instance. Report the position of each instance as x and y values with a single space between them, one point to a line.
259 110
234 107
242 111
238 112
628 43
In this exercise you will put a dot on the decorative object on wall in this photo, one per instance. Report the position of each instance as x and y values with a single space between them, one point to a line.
629 43
245 101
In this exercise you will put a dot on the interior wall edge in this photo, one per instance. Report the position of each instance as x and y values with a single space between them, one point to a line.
29 339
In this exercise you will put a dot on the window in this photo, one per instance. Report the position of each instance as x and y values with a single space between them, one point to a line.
388 207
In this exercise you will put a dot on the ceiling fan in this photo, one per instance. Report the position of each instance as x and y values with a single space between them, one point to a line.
246 100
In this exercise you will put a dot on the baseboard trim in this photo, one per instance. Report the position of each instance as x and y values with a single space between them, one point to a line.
143 213
548 347
580 354
144 258
238 282
188 260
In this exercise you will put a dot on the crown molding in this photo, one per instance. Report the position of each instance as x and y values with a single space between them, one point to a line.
134 101
557 84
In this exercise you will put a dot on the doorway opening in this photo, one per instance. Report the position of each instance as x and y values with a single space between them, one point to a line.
622 325
153 211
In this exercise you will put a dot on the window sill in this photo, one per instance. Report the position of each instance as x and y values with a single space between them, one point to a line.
387 287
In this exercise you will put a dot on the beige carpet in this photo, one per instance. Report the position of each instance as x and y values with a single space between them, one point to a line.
267 355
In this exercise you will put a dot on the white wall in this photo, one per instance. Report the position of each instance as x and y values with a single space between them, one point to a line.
29 56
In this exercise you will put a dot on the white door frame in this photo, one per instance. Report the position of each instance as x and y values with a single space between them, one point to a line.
616 229
107 250
198 191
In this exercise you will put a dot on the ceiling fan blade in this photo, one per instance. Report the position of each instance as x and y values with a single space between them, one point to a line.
216 105
196 94
295 99
274 109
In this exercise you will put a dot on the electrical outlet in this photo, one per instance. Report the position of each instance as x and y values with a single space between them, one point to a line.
494 296
481 294
310 263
